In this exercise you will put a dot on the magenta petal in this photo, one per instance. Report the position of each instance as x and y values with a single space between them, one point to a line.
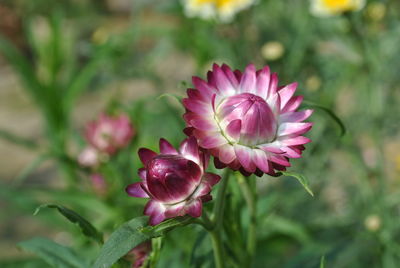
166 147
280 160
298 140
286 93
190 150
156 218
136 190
233 129
142 173
175 210
211 178
271 148
223 83
212 141
273 85
292 104
295 116
293 128
226 153
263 78
244 155
146 155
205 89
153 207
261 160
230 75
248 82
195 208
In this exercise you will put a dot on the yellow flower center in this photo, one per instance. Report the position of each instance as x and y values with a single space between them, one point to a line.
334 4
217 3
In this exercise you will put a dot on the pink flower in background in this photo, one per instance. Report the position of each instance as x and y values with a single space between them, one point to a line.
105 136
174 180
109 133
245 120
99 184
139 254
89 157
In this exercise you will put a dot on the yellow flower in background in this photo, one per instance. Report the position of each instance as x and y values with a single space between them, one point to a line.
223 10
325 8
272 50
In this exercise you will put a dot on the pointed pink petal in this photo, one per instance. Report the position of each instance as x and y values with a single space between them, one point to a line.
260 158
211 178
263 78
295 116
166 147
195 208
273 85
209 140
136 190
244 155
233 129
286 93
204 88
226 153
146 155
272 148
293 128
156 211
223 83
142 173
197 106
238 75
175 210
292 104
280 160
248 82
292 152
190 150
298 140
230 75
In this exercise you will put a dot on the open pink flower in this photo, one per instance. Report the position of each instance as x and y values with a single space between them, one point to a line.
109 133
245 120
174 180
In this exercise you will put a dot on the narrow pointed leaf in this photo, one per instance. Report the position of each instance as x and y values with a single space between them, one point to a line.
328 111
87 228
53 253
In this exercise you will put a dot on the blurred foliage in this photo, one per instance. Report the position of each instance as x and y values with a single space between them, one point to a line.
347 64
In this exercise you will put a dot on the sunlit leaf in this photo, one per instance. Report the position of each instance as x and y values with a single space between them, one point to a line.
301 178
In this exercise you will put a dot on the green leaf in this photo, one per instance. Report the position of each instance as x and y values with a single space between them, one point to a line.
131 234
23 68
87 228
11 137
301 178
53 253
330 113
171 95
322 263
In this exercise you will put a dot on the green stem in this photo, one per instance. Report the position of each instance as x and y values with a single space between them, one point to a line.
218 248
218 221
250 195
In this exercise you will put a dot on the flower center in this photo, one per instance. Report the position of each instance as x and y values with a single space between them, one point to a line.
172 178
257 121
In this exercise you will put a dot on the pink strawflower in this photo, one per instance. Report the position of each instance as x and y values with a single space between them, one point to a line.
245 120
99 184
174 180
109 133
89 157
140 253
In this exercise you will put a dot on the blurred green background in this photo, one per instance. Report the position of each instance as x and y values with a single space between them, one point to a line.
63 62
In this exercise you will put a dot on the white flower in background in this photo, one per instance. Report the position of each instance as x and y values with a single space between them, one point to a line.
324 8
223 10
